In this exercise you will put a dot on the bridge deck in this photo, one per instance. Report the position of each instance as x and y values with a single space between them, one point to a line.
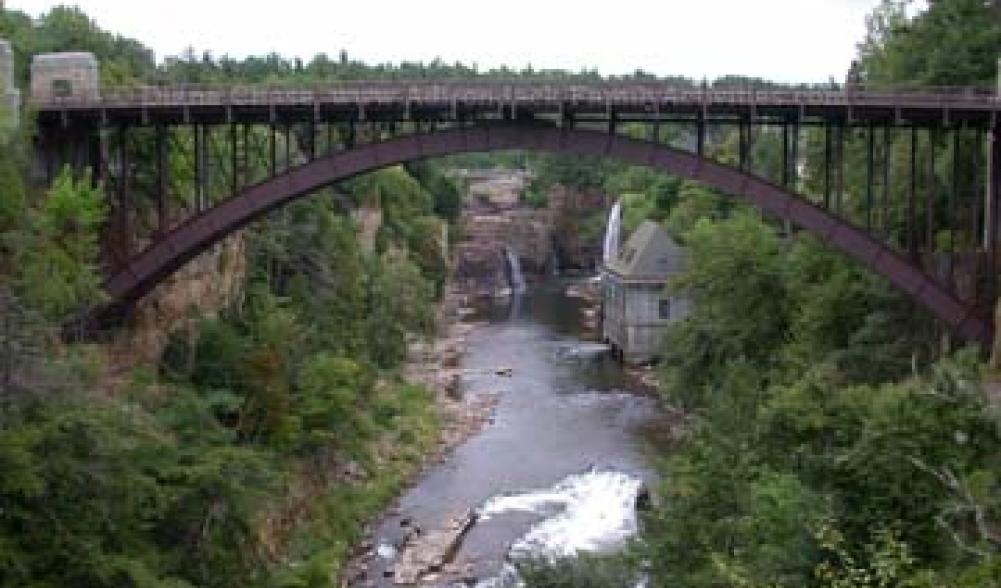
400 101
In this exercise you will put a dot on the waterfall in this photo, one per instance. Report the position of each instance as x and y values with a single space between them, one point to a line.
612 231
517 279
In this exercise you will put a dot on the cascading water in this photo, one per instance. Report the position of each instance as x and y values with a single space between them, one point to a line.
514 269
612 233
591 512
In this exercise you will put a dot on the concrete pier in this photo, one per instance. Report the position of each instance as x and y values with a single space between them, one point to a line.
10 97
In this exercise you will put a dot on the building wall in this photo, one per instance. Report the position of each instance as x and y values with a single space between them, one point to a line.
613 310
632 317
9 95
59 75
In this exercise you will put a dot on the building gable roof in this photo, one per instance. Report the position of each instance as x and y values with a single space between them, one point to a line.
649 253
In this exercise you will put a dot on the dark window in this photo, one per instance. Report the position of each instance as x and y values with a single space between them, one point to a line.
61 88
665 308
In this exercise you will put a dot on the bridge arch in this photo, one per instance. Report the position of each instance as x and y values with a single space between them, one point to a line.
159 260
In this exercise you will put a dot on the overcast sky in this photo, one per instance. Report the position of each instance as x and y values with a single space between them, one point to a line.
782 40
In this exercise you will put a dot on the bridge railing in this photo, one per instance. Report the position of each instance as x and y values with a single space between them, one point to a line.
619 93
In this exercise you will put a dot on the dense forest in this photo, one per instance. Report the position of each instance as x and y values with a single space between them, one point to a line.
832 438
257 449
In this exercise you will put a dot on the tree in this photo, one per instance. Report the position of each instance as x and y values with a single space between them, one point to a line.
952 43
740 305
401 302
58 260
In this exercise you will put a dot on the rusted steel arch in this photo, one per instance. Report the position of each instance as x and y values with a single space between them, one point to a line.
148 268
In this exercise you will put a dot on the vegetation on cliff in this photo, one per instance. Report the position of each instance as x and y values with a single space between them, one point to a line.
831 443
832 439
268 436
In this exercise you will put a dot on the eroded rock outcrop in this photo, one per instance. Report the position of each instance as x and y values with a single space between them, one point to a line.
201 288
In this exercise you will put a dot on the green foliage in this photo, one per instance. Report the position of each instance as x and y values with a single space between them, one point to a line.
584 571
844 314
444 192
888 563
311 257
767 466
572 172
955 42
132 506
694 203
400 303
58 261
804 464
740 309
535 198
327 401
65 28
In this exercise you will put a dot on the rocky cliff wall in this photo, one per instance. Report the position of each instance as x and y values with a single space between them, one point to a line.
495 219
202 288
578 225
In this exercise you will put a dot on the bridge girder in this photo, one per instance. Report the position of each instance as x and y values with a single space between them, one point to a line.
183 242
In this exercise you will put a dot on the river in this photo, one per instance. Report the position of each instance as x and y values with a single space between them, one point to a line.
558 468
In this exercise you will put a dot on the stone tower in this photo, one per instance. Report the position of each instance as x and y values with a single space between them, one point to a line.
10 97
70 75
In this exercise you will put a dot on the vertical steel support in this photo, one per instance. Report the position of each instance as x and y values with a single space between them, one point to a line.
743 145
827 164
869 173
991 203
123 189
785 155
273 149
199 137
954 194
887 173
977 161
312 140
288 146
839 169
700 135
234 165
162 164
99 158
794 161
912 186
245 158
209 158
930 191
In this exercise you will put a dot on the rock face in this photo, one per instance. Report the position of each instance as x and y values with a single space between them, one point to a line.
10 97
425 554
571 210
369 220
202 288
495 220
65 75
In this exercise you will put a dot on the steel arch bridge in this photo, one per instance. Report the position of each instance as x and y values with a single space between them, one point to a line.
408 122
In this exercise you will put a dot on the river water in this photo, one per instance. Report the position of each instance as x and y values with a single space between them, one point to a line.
558 469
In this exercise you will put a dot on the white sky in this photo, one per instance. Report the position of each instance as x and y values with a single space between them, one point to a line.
781 40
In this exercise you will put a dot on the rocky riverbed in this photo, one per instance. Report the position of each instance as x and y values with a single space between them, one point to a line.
542 453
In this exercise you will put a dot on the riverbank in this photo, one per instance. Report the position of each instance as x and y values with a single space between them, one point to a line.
566 425
435 367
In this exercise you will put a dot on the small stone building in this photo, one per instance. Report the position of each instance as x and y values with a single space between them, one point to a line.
636 304
9 95
65 75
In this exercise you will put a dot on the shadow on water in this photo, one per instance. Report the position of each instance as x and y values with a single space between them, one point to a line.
561 412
